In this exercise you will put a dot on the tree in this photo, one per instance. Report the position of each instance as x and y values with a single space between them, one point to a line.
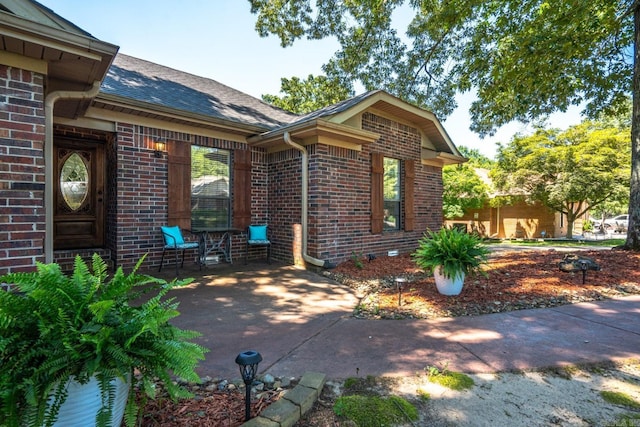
463 189
525 60
571 171
305 96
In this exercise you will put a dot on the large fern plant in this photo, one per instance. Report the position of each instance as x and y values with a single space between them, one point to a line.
55 326
452 250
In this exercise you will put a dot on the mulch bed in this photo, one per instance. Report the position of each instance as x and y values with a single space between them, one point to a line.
209 407
514 281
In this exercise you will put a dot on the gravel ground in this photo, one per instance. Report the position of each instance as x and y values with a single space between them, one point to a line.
553 397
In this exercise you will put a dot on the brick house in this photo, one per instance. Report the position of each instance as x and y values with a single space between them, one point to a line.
99 149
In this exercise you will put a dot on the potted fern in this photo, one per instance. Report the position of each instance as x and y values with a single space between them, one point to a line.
60 333
451 255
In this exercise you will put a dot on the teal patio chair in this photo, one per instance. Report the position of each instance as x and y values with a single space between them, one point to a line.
257 235
174 241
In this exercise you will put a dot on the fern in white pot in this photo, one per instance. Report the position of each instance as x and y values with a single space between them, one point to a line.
86 327
450 255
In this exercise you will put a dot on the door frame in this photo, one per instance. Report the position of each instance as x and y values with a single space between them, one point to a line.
91 223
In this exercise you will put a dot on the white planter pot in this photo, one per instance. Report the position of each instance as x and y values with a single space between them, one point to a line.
84 401
448 286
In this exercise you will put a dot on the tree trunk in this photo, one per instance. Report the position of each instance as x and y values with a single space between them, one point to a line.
570 222
633 232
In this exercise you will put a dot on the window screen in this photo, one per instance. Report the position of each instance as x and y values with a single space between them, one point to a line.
210 176
391 185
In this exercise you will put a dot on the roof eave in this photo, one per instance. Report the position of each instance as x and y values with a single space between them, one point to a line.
316 130
440 159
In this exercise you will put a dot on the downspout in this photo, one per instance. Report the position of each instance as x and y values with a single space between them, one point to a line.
49 103
305 200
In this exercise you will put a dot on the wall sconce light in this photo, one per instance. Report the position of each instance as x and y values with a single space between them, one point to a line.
160 146
248 363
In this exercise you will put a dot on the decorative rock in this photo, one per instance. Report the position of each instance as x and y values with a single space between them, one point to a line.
222 384
285 382
268 380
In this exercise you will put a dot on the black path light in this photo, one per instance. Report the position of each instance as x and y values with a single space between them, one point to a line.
248 363
400 283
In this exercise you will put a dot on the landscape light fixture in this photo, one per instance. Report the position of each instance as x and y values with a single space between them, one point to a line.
400 282
248 363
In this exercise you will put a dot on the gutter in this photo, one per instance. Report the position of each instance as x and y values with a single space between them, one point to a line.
305 200
49 103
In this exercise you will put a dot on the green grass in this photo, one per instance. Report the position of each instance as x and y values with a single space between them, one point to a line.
567 243
626 420
423 395
375 411
618 398
450 379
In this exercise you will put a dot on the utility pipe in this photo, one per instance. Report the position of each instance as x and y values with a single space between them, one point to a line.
305 201
49 103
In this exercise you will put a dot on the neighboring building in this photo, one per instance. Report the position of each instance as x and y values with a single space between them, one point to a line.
98 150
513 218
519 220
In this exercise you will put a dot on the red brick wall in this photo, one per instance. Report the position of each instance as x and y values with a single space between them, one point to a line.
339 195
140 206
22 216
285 196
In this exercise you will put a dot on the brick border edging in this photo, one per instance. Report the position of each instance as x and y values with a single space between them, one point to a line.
287 410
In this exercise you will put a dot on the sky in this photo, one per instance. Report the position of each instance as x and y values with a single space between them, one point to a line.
217 39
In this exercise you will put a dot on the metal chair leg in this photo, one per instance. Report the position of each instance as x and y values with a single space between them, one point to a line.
176 251
161 261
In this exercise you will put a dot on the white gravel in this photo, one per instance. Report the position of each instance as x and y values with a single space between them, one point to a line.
564 397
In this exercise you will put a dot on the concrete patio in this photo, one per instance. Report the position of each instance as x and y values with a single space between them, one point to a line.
301 321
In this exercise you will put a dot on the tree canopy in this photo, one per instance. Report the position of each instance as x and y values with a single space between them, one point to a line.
305 96
463 189
524 60
569 171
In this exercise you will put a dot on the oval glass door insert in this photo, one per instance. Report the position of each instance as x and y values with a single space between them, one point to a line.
74 181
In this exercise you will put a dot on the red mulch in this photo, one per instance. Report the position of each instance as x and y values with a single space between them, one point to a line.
515 280
213 408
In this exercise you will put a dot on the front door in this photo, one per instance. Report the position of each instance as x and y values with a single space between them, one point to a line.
79 195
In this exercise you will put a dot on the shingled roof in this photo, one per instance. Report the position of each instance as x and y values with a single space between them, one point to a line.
154 84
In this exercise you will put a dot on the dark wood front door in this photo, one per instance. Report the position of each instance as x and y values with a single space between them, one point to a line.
79 197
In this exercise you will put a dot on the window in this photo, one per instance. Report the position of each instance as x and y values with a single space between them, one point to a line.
210 176
392 194
391 189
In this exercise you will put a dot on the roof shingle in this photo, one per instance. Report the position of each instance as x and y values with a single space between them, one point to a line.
151 83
